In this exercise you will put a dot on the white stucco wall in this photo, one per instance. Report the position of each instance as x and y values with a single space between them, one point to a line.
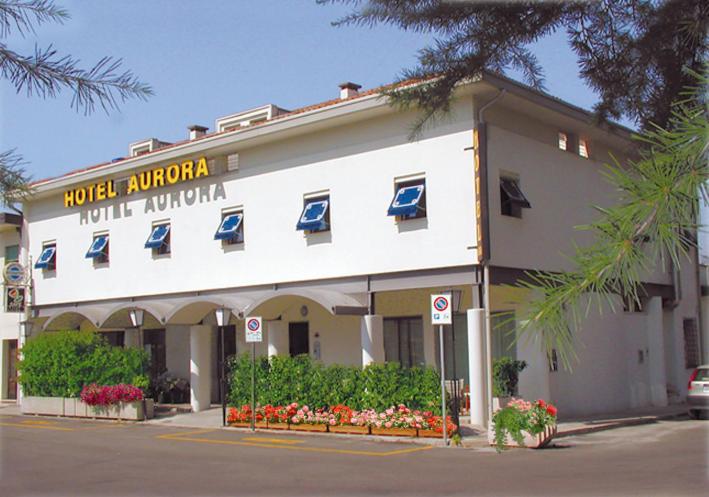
562 188
357 164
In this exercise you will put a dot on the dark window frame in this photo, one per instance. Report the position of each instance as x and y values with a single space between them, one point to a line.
239 235
512 202
410 360
326 219
104 257
52 264
421 211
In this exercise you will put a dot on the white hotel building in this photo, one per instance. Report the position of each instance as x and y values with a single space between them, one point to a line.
333 226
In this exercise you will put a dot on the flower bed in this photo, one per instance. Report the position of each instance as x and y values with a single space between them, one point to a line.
395 421
523 424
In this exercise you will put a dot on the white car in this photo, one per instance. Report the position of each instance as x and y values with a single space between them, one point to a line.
698 395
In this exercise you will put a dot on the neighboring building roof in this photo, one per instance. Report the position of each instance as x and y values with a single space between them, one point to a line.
9 219
499 81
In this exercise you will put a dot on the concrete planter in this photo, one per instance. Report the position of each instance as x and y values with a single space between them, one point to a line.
530 441
500 403
60 406
48 406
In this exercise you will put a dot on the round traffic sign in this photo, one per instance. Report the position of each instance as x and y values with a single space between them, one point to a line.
14 273
441 304
253 324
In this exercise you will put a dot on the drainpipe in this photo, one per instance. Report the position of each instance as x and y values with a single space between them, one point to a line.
481 126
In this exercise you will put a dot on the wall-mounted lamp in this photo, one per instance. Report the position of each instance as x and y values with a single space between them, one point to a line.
222 315
136 317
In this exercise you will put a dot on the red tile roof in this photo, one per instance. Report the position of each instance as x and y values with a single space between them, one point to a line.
300 110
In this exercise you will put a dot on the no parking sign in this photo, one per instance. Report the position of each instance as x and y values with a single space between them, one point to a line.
441 309
254 330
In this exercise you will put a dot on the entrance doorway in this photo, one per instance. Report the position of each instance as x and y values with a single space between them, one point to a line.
12 369
154 345
229 351
298 339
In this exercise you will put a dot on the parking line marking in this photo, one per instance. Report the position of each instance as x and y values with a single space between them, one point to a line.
181 437
273 440
34 427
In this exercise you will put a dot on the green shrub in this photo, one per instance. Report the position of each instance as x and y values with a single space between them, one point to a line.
505 376
299 379
60 364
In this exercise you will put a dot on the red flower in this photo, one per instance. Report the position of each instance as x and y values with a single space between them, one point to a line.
551 410
541 403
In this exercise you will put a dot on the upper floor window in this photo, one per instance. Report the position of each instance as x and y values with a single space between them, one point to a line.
512 200
12 253
563 141
159 239
48 258
583 148
409 200
98 251
315 216
231 229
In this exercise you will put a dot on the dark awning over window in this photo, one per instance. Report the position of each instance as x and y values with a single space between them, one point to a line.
157 236
313 216
98 247
514 193
406 201
229 228
46 257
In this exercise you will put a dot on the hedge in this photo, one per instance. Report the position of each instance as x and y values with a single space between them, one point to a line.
59 364
282 380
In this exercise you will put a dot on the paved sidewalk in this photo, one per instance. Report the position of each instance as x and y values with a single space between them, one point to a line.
609 421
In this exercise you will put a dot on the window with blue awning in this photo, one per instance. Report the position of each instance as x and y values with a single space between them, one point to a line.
230 228
47 259
408 201
158 237
98 248
315 215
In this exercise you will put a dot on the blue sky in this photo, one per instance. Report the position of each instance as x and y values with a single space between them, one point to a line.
210 59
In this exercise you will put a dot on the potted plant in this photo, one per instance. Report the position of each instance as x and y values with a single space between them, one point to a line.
523 424
505 377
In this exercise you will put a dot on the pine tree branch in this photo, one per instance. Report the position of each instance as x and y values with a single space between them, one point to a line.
23 15
46 74
14 179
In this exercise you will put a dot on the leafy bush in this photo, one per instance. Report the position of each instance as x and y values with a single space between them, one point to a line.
60 364
283 380
505 376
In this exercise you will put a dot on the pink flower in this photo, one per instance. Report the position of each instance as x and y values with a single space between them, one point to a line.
388 424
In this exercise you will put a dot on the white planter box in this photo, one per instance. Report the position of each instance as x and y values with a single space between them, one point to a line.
58 406
48 406
530 441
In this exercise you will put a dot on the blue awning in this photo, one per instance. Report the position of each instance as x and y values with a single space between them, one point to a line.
313 216
98 247
406 201
46 257
229 228
157 236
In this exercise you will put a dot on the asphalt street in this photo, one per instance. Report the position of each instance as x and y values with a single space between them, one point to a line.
48 456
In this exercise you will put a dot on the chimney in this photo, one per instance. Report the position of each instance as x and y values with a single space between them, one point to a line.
196 131
349 89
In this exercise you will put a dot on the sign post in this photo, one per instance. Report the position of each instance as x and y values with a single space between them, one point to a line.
254 334
441 314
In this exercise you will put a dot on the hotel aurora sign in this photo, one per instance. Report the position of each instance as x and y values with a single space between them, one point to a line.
139 182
